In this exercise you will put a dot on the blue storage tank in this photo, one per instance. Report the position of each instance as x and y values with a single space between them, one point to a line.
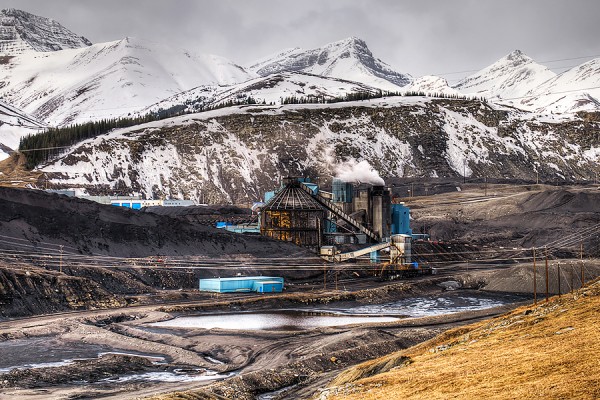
260 284
401 220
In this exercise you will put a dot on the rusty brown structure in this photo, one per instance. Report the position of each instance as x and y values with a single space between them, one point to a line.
293 215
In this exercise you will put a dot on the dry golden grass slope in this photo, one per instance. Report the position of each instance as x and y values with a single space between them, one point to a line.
14 174
548 351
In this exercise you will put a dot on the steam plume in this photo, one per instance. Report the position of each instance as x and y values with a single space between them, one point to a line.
358 172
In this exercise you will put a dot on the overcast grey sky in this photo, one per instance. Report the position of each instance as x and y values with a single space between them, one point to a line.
417 36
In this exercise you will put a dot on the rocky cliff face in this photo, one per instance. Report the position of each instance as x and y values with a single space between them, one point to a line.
235 155
21 31
28 290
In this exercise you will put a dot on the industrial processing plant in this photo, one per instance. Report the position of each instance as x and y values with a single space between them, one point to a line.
349 222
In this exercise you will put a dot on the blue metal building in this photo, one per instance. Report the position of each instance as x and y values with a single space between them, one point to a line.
401 220
241 284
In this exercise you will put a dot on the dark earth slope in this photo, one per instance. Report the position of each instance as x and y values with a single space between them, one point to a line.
91 228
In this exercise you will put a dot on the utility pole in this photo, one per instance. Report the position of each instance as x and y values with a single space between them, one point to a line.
534 280
547 275
61 257
558 272
324 276
485 187
572 277
582 269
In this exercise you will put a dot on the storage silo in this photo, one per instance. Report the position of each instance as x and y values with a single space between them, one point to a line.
377 210
293 215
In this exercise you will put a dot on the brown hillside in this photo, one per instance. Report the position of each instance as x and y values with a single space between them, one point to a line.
14 174
544 352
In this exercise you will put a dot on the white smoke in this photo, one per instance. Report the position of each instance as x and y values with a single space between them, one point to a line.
358 172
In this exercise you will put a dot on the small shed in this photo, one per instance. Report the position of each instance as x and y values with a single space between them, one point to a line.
241 284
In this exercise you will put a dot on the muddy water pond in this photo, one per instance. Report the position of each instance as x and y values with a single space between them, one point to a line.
44 352
446 303
414 307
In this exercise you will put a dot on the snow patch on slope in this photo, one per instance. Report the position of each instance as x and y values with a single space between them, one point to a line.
15 124
431 85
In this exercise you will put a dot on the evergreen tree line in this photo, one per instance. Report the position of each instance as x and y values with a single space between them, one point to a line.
44 146
240 101
356 96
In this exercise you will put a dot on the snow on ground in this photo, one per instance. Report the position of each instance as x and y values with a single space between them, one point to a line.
431 85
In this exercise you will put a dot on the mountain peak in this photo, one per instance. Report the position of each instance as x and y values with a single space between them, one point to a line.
349 59
21 32
517 57
351 43
511 76
353 40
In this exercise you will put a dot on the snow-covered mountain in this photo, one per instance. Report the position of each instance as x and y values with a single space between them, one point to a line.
271 89
21 31
108 79
519 81
234 154
431 85
510 77
348 59
577 89
14 124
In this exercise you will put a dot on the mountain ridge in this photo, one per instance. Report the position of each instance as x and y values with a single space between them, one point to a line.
348 59
21 31
233 155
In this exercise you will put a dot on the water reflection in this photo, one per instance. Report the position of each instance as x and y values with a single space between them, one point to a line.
285 320
431 306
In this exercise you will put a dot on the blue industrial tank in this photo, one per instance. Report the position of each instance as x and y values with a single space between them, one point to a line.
401 220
